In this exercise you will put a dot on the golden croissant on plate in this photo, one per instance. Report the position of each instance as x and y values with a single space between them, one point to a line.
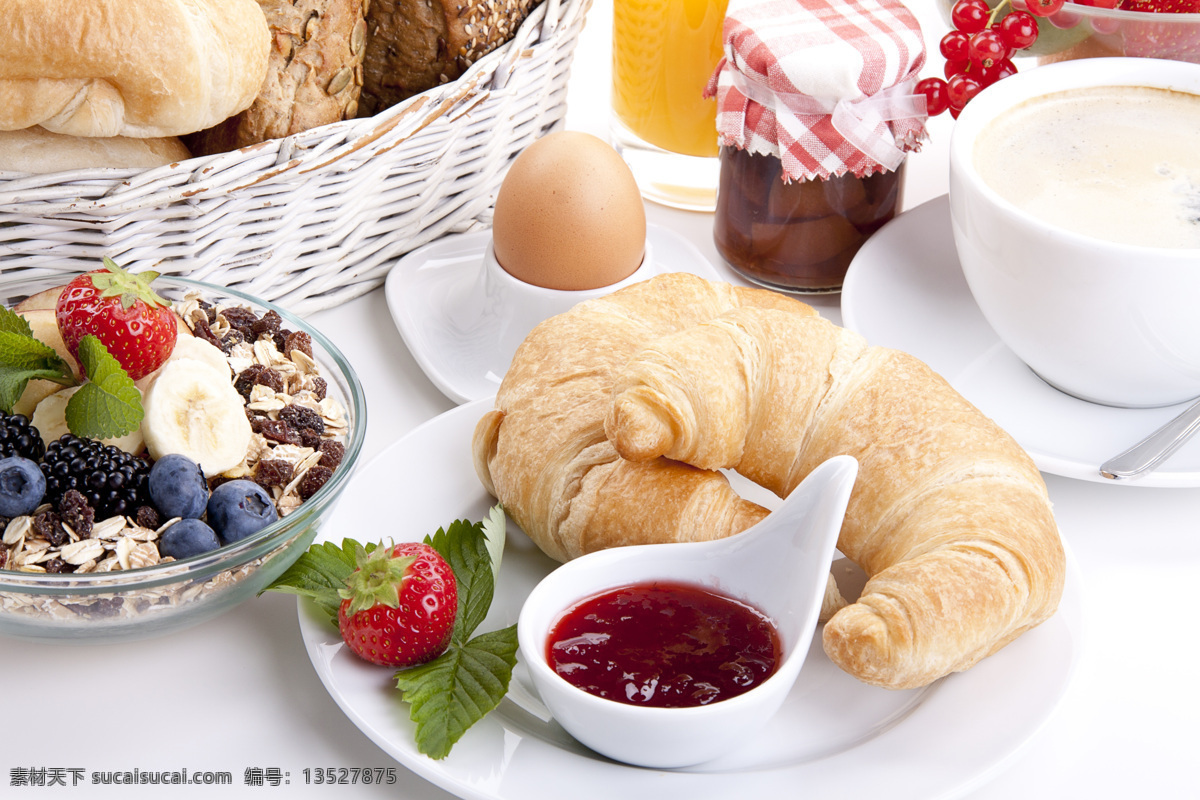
949 517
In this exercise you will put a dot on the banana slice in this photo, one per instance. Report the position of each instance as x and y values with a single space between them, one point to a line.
192 408
50 418
193 347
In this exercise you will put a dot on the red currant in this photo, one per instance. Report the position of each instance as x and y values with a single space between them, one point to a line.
936 98
953 68
970 16
954 46
1043 8
960 89
987 48
999 70
1019 29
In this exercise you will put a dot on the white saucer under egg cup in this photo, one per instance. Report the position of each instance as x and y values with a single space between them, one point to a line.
779 566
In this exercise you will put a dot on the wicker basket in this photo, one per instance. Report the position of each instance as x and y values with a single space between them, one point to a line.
314 219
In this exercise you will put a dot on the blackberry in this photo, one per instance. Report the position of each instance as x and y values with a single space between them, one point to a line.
19 438
112 481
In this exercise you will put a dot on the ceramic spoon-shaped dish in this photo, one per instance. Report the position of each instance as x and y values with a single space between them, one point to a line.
779 566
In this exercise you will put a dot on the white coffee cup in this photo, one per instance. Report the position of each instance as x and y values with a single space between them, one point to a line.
1107 322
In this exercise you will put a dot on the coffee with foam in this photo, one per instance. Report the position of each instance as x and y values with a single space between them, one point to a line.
1120 163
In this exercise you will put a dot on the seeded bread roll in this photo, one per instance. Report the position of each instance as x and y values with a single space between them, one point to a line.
414 45
314 74
36 151
142 68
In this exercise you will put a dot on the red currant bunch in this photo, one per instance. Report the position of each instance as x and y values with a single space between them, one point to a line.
979 49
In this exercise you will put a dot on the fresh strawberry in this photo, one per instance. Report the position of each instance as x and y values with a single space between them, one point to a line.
398 607
1161 33
121 310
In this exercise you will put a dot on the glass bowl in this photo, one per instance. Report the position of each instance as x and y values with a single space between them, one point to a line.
1080 30
137 603
1086 31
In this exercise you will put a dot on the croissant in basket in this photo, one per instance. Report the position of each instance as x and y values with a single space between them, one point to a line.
949 516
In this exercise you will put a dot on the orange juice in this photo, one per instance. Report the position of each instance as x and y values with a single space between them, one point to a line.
664 52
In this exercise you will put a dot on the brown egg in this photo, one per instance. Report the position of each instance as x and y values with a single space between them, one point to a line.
569 215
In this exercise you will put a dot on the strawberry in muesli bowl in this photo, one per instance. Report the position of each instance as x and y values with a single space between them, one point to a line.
167 449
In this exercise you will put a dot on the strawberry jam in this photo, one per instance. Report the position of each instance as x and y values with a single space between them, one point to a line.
663 644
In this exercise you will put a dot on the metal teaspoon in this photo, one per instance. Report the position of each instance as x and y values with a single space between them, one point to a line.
1155 448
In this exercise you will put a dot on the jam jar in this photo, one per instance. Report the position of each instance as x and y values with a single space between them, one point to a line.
799 235
817 111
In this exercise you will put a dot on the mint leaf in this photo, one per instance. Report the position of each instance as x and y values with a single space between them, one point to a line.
109 404
319 573
24 358
12 322
464 546
451 693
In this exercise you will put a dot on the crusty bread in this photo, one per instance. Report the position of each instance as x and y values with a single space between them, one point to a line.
414 45
314 74
36 150
142 68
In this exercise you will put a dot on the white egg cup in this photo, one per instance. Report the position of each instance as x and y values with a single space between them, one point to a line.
779 566
522 306
1109 323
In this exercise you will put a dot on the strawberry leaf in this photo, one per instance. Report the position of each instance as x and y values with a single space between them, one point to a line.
109 404
319 574
451 693
464 546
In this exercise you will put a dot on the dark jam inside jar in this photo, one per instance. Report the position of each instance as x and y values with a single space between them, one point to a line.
798 236
663 644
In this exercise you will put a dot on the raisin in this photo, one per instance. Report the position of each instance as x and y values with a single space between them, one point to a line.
241 320
273 472
268 325
275 430
302 417
313 480
255 375
319 387
74 510
310 438
48 525
230 341
202 330
147 517
332 453
298 340
56 566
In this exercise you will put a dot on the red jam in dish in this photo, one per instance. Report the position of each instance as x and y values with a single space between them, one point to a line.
663 644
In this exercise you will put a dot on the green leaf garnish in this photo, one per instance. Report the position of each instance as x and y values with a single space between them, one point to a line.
320 573
458 688
108 405
454 691
24 358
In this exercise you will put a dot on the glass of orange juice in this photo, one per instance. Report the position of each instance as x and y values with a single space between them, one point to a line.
664 52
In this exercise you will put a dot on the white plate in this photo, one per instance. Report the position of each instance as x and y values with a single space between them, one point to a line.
833 736
436 297
905 290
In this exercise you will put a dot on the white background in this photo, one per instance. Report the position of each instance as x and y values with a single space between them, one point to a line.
239 691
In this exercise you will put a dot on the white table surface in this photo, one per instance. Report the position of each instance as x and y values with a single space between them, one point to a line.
239 692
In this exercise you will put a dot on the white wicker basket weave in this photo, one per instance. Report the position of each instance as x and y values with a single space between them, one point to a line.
314 219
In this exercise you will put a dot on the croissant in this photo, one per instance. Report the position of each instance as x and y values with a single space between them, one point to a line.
949 517
542 451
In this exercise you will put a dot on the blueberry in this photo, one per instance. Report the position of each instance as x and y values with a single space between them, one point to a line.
178 488
22 486
238 509
188 537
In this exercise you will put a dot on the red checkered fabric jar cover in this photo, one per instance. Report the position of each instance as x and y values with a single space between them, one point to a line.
827 86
